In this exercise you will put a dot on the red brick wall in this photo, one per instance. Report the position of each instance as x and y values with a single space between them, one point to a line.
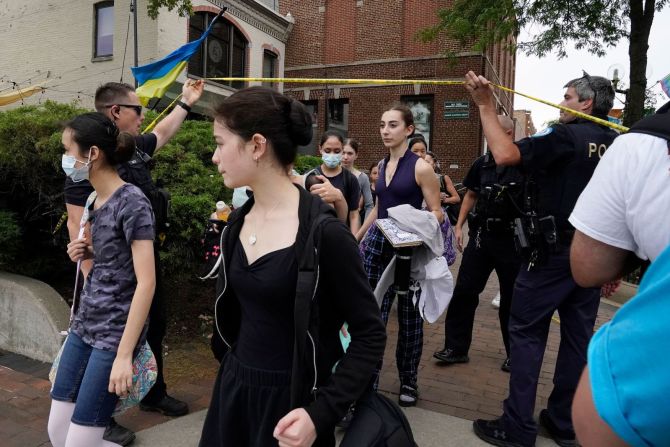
419 14
340 32
341 40
305 43
454 141
379 29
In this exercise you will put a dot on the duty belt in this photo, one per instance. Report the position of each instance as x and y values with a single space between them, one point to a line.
496 225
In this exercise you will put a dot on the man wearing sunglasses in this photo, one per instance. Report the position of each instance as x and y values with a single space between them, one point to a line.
120 103
559 162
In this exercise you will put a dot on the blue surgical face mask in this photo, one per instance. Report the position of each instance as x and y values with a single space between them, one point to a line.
76 174
331 160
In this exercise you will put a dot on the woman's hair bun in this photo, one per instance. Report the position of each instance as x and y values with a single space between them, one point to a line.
300 123
125 147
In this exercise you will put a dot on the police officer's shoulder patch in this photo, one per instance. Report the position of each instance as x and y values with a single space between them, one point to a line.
543 132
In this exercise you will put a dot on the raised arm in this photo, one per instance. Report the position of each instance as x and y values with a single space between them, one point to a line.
504 151
168 127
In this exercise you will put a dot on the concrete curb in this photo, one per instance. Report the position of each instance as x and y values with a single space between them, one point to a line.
32 314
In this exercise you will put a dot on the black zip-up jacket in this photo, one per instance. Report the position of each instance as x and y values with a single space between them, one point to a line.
339 292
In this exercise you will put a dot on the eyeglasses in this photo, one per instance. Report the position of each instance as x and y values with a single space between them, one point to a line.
135 107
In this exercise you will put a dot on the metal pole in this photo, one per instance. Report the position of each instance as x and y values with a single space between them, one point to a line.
133 9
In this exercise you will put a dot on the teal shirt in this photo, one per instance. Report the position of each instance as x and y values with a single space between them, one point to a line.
629 363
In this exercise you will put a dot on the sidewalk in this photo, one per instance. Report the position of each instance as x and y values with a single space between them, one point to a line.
451 396
431 429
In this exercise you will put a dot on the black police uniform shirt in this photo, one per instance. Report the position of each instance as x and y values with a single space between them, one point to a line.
485 173
561 160
135 171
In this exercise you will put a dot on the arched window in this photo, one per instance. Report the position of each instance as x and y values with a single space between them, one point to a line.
223 54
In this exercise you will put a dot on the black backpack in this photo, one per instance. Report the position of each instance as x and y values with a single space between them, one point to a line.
378 422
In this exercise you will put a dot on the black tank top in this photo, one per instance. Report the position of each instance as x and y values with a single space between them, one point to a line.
266 292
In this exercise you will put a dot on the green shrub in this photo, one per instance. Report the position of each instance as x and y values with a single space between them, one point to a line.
306 162
31 181
10 235
184 167
31 185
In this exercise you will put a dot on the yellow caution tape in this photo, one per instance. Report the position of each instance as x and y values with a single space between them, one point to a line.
61 221
151 125
586 116
423 82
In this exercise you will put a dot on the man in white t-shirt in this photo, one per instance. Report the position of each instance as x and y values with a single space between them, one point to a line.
625 208
625 211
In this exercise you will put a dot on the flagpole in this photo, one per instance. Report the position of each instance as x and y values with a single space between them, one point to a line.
133 9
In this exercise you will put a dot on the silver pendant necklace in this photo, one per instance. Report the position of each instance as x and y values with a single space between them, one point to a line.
253 237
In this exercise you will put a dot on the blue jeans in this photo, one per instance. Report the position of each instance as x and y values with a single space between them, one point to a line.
83 378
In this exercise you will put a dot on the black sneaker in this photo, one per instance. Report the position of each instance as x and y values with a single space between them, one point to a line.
118 434
560 437
408 396
448 355
169 406
506 365
494 433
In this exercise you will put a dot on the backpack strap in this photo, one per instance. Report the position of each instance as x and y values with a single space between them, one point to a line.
82 228
308 279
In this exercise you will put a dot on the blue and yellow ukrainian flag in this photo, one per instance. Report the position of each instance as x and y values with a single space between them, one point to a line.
155 78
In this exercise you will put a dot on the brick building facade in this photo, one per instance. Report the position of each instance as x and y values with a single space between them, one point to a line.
523 124
376 39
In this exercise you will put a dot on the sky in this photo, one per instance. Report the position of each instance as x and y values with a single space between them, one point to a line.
545 77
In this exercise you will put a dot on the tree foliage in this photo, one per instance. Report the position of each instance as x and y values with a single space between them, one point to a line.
184 7
593 25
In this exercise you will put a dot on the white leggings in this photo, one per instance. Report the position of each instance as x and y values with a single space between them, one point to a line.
64 433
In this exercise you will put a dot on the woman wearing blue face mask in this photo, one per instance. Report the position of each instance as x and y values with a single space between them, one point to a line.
331 148
96 363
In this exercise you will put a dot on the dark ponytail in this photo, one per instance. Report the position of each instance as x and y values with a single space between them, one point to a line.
95 129
283 121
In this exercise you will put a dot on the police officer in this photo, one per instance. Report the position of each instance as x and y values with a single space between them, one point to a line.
495 194
558 162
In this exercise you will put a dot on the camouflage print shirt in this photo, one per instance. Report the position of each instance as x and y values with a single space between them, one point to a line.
105 299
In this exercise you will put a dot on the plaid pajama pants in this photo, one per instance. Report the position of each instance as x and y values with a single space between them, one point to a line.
377 253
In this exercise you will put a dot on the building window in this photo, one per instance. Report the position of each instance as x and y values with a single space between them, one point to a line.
269 68
338 116
422 109
313 110
222 55
103 44
272 4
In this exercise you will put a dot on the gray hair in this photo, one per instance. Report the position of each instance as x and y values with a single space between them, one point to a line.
597 88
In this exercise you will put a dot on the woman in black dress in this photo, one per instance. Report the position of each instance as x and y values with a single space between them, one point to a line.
278 382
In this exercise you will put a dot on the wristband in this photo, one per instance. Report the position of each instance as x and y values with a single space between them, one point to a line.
184 106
